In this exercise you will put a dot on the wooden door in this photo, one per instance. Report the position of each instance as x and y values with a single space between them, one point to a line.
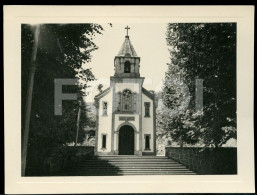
126 140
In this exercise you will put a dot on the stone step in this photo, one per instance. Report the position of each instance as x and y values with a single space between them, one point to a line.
141 166
128 156
130 168
137 160
128 165
127 170
139 157
130 160
142 171
121 173
129 173
127 162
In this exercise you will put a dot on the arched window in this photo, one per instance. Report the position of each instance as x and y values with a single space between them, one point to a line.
127 67
127 103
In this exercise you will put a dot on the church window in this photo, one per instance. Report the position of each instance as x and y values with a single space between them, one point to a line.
127 100
147 141
147 109
104 108
127 67
104 141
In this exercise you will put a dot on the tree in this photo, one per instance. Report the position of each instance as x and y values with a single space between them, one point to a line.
62 51
176 119
208 51
25 132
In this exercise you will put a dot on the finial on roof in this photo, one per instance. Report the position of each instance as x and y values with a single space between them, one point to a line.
127 28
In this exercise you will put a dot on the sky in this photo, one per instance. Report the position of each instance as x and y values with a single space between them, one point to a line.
149 43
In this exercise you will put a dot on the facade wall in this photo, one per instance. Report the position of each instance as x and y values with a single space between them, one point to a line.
147 124
132 84
134 87
105 123
109 125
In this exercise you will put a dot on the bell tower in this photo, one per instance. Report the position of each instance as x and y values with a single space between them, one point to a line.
126 63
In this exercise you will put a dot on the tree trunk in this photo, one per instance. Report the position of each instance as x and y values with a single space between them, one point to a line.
25 134
181 136
78 119
181 142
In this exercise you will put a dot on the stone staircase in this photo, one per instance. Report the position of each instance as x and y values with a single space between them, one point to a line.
127 165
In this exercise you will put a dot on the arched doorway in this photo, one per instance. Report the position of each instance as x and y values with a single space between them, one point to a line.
126 140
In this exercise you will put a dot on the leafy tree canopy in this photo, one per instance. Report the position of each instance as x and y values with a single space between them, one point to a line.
62 50
203 51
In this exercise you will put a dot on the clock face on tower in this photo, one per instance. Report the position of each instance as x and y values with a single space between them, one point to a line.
127 93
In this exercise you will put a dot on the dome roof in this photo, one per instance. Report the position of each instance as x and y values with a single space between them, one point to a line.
127 49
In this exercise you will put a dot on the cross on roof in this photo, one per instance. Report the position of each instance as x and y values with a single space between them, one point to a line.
127 28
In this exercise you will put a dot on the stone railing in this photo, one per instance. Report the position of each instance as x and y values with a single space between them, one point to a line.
205 161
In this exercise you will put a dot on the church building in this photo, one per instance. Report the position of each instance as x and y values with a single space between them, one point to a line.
126 121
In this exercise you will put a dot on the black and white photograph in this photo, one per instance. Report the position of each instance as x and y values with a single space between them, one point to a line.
127 99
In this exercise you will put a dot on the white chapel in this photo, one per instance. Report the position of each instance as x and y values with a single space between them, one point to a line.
126 121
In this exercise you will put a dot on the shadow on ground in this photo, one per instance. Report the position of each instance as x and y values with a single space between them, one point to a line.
92 166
